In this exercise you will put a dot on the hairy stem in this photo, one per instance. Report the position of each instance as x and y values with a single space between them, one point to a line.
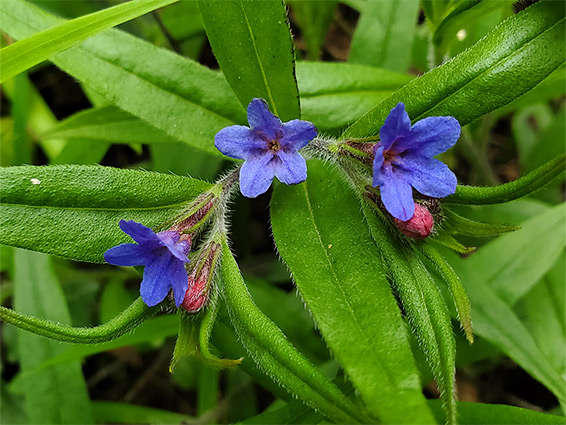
130 318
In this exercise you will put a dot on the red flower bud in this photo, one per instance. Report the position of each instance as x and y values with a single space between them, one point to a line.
419 226
200 279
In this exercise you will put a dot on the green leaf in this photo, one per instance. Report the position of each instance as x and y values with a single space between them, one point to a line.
256 55
493 316
128 71
545 316
314 18
81 152
522 257
523 186
423 304
21 103
24 54
123 413
464 13
508 62
339 273
336 94
497 414
384 34
74 211
57 394
40 119
294 412
271 350
107 124
551 87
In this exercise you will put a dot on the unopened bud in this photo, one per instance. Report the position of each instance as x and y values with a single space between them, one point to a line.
419 226
200 279
197 214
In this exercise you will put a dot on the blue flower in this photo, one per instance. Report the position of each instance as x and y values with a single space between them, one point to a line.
269 148
404 159
164 256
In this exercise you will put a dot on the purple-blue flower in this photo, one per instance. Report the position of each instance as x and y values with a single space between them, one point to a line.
269 148
404 159
164 256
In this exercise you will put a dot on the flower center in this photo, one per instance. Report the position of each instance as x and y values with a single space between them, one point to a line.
274 145
388 156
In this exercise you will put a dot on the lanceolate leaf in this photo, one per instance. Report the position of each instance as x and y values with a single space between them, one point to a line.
314 18
252 42
464 13
509 61
107 124
26 53
74 211
423 304
56 394
384 34
339 273
497 414
336 94
521 259
189 102
274 353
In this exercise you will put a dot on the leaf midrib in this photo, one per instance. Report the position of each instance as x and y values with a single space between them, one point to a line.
337 281
161 207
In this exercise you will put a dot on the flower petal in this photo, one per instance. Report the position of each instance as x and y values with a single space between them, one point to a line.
429 176
377 164
262 120
128 254
138 231
397 195
156 281
236 141
291 168
179 281
170 239
433 135
256 175
298 133
397 125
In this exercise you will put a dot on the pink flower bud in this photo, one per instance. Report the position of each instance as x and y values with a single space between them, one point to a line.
200 279
419 226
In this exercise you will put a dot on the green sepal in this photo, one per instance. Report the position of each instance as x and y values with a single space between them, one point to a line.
129 319
207 324
529 183
187 339
194 338
455 224
459 295
443 237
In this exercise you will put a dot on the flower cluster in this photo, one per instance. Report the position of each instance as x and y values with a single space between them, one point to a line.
403 160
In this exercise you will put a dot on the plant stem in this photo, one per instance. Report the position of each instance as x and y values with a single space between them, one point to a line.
130 318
